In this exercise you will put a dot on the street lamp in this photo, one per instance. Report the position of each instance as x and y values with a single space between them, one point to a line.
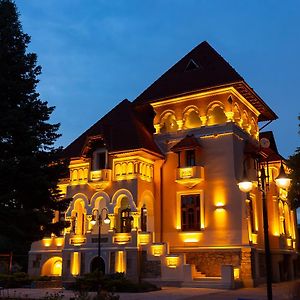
106 220
245 185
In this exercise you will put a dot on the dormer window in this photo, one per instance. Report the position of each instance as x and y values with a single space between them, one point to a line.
99 160
188 150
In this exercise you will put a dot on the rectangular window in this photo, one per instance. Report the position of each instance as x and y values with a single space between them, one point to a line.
190 212
190 158
99 161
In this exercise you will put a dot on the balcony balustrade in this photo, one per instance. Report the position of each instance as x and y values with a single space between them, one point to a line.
189 176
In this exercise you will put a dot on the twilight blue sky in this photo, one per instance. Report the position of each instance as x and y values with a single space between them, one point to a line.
95 53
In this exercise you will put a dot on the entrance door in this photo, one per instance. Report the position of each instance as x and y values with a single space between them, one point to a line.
98 265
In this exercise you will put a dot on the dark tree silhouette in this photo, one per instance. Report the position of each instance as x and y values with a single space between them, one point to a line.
294 164
29 161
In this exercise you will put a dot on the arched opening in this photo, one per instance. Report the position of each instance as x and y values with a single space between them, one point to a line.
146 211
191 119
245 121
216 115
78 218
97 265
126 219
168 123
52 267
144 218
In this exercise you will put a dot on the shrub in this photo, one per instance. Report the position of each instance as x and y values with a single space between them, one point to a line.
113 283
15 280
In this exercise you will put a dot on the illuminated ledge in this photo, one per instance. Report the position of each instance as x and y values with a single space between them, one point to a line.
172 261
100 179
144 238
77 240
190 176
122 238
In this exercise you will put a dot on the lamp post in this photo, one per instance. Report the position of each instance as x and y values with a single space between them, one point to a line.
105 221
246 186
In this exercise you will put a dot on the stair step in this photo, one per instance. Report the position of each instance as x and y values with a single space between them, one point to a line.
205 278
211 283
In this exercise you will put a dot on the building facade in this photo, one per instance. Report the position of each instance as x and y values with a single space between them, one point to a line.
164 170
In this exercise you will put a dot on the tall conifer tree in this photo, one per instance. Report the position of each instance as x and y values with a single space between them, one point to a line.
29 165
294 164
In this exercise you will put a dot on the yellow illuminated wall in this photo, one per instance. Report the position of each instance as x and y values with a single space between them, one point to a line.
120 262
75 263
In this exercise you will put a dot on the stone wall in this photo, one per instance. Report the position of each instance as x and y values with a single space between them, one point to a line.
210 262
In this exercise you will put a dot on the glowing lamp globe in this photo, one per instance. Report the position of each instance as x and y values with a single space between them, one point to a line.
282 181
106 220
245 186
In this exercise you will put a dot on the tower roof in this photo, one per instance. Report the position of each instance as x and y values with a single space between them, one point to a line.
202 69
188 142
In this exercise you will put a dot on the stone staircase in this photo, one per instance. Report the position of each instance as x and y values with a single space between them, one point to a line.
206 282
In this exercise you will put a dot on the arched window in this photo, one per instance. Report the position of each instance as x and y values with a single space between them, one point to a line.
78 218
144 218
130 168
216 115
253 129
245 121
281 217
191 119
168 123
118 169
236 114
287 218
75 175
124 168
126 220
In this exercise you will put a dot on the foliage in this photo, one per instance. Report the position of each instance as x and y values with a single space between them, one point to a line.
113 283
30 164
15 280
294 164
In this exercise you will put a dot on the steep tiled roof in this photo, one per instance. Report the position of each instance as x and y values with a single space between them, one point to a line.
201 69
123 128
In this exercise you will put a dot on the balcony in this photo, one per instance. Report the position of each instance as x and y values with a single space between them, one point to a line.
190 176
100 179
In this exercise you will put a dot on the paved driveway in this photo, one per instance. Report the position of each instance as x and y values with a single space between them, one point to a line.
281 291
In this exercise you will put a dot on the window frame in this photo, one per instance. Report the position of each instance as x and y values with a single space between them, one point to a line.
96 159
179 210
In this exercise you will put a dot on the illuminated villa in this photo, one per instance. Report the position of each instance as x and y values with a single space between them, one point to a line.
161 176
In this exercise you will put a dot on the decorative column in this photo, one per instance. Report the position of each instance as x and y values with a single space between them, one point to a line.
203 120
179 124
229 115
112 224
157 128
136 219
